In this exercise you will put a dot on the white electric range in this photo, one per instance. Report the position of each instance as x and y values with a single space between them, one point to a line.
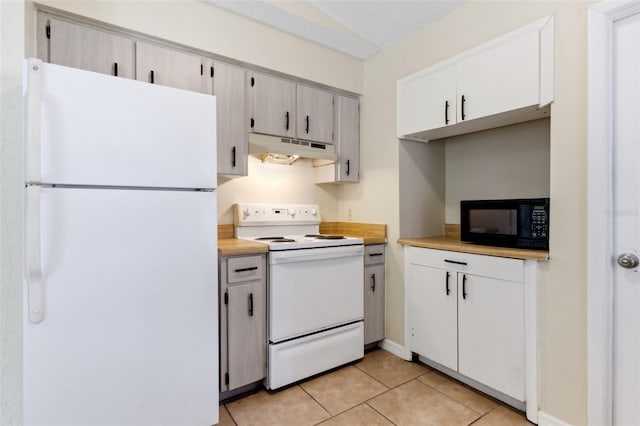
315 286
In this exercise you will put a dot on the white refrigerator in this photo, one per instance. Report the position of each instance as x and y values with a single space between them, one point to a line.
121 312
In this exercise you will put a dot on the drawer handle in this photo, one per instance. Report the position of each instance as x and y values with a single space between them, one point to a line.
252 268
464 286
446 284
375 254
373 282
250 304
456 262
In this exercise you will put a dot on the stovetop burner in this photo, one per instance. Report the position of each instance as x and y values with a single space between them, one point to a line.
325 237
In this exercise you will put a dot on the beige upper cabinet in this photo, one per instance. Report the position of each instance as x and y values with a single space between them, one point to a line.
78 46
228 84
315 114
347 138
168 67
273 105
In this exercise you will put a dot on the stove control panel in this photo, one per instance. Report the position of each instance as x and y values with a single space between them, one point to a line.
276 214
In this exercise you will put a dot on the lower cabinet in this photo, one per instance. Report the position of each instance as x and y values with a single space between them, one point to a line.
466 312
243 320
374 293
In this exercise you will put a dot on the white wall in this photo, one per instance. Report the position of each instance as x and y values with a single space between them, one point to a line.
276 183
509 162
562 280
12 32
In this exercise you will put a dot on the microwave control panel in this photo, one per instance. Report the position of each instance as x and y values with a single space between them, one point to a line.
538 222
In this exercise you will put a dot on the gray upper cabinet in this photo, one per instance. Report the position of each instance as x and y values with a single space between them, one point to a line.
315 114
227 83
168 67
78 46
347 130
273 105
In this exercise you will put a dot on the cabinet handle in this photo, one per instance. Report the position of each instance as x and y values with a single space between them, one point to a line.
115 69
211 72
463 101
250 304
286 125
375 254
307 120
152 77
348 168
233 157
456 262
252 268
446 112
446 284
373 282
464 286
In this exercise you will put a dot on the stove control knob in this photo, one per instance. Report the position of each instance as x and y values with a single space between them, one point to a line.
245 213
292 212
314 211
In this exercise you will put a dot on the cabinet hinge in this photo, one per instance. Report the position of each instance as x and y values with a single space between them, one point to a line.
226 297
253 81
226 379
48 30
252 123
201 69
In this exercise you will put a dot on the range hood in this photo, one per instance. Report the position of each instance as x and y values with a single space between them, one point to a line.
276 149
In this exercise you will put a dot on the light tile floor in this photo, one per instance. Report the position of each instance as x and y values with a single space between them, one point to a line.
381 389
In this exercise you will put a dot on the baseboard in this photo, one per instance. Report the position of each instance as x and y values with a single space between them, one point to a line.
545 419
396 349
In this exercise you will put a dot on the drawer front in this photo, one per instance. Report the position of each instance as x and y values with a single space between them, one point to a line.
374 254
501 268
244 268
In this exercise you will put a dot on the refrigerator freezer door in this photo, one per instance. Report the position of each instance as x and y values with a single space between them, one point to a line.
86 128
129 334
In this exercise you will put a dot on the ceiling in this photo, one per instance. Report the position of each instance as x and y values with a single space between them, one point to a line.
359 28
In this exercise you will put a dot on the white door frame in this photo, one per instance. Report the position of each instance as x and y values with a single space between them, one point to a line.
600 213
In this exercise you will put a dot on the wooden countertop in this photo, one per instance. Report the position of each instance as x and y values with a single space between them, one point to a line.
371 233
234 247
451 244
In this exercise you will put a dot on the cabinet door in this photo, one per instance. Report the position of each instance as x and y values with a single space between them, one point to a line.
373 303
246 344
273 105
315 114
77 46
347 122
427 101
491 333
229 88
160 65
502 78
432 314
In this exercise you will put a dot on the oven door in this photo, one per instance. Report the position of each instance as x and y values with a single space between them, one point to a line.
314 289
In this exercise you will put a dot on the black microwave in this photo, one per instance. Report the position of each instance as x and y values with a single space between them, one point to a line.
519 223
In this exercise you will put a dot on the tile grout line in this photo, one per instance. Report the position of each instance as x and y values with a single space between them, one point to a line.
374 409
384 384
235 423
459 402
317 402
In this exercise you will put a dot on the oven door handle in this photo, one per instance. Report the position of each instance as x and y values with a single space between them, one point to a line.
309 255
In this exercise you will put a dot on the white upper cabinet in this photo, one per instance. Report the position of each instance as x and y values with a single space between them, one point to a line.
273 105
427 100
315 114
505 81
489 82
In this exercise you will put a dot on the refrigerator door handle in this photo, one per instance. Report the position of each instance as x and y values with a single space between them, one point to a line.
33 256
33 120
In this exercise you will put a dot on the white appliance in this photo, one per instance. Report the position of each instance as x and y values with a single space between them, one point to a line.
316 290
120 323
